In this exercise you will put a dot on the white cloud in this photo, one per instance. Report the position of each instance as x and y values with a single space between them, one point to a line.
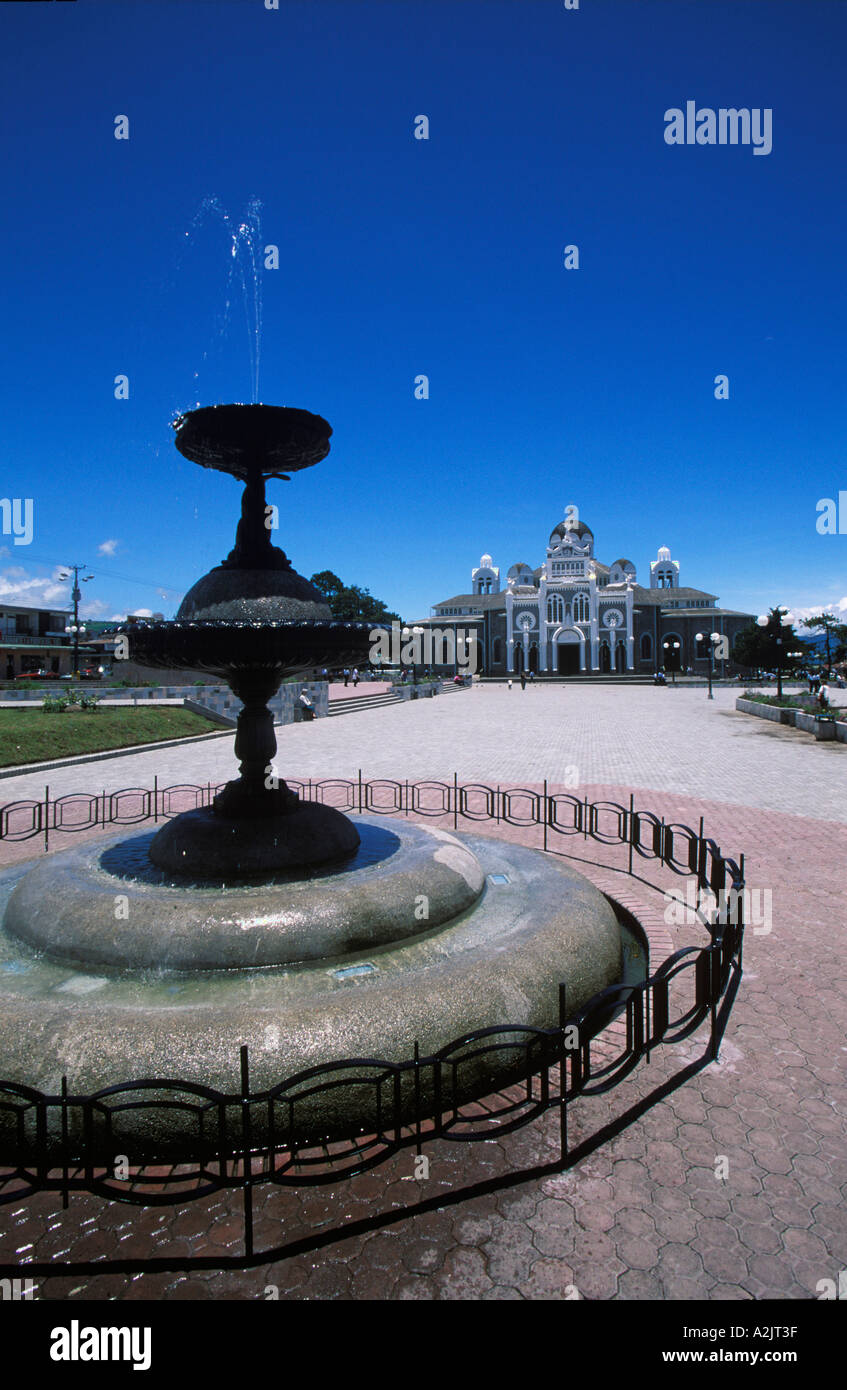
30 591
838 609
107 547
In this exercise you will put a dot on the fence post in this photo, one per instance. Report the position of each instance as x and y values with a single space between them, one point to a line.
65 1142
156 799
360 792
417 1057
563 1077
247 1160
546 812
46 819
455 800
631 827
742 921
714 986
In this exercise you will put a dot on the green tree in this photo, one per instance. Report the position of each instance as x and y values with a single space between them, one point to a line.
328 583
756 646
352 602
834 631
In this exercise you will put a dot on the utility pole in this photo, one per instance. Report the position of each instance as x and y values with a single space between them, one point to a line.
76 595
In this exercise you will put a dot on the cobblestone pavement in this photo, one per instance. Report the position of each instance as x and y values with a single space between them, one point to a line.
652 1213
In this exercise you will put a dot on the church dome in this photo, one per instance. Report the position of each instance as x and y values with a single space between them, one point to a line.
579 530
486 562
664 553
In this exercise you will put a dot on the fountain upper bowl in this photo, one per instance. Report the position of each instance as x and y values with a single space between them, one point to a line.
248 440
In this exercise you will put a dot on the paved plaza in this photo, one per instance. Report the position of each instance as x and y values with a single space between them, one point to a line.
652 1213
669 740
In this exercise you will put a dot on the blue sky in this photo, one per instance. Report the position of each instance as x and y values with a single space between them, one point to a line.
444 257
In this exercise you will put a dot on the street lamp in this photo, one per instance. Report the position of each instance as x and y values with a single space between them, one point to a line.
779 619
671 647
713 639
415 632
76 630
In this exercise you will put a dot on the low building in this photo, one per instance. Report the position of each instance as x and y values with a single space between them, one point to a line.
34 639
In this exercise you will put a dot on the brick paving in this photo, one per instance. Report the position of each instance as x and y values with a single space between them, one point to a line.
648 1214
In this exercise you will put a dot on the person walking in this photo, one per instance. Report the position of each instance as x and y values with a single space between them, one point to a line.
523 679
355 676
823 696
346 677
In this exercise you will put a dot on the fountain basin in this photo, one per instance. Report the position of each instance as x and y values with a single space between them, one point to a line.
537 923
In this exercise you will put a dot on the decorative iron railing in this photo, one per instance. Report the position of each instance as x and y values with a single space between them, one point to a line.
68 1143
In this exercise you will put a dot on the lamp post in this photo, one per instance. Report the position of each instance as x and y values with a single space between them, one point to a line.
713 639
76 594
779 619
415 632
671 647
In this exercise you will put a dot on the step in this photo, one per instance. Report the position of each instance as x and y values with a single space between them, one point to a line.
360 702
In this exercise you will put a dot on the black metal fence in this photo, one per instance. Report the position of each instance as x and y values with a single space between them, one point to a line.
73 1143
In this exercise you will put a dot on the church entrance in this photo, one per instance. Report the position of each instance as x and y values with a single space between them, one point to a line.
567 658
605 659
620 659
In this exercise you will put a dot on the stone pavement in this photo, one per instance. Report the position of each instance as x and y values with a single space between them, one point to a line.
653 1213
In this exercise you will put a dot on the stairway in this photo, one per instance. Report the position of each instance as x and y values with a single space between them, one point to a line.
359 702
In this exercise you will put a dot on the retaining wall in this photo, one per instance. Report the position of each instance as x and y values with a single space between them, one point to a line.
796 718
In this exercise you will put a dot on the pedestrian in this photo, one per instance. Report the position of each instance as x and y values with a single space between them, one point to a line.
510 682
306 705
531 676
523 679
346 677
823 695
324 674
355 676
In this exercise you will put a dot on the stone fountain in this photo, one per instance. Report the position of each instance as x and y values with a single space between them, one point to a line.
308 935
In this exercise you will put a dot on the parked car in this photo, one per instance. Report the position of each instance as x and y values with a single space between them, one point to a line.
38 676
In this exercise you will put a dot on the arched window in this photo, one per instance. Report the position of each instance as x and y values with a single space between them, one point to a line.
555 609
646 647
580 608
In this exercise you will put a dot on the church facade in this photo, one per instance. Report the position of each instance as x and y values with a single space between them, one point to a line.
575 615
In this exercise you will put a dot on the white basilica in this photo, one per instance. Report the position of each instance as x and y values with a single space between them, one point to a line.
574 615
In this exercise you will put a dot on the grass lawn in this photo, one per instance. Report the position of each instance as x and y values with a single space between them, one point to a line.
31 736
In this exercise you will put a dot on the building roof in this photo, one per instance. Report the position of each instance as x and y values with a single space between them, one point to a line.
473 601
664 597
